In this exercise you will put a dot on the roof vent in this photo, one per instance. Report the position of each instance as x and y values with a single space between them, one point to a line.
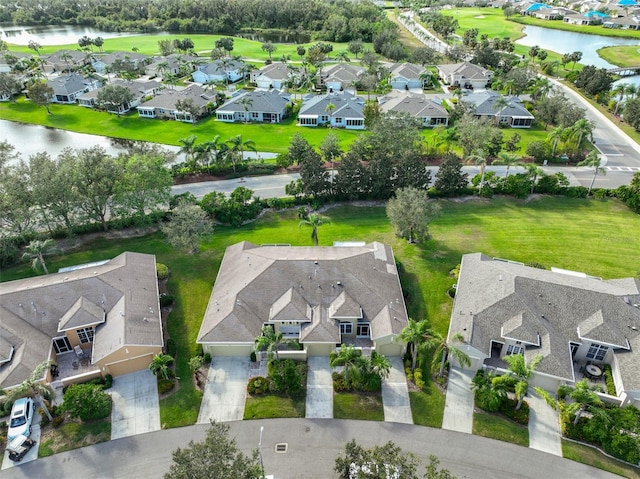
338 283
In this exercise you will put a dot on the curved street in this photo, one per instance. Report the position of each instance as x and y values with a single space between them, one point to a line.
312 446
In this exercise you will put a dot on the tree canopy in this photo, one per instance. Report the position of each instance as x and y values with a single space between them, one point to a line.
410 212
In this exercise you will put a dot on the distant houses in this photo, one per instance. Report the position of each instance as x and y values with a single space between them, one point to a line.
68 87
256 106
406 76
339 110
166 104
485 105
340 76
104 63
274 75
139 89
418 105
465 75
229 71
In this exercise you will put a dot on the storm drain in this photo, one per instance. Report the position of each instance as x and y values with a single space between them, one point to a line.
282 447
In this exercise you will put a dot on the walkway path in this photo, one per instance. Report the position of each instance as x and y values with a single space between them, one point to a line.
225 391
319 388
135 409
544 426
395 394
458 407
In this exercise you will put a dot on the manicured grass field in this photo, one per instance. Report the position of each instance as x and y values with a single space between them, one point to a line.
597 237
587 29
592 457
427 406
73 435
490 21
270 406
623 56
364 407
500 428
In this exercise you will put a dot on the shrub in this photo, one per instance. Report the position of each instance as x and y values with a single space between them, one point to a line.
87 402
165 385
417 378
252 357
563 392
339 384
166 300
258 385
608 378
57 421
172 347
207 358
508 408
288 377
108 381
44 421
162 270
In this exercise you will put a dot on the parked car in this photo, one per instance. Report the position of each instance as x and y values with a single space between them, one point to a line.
19 447
21 418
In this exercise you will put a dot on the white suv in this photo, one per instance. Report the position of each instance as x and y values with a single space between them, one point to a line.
21 418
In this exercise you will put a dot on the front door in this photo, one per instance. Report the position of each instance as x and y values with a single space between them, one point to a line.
61 345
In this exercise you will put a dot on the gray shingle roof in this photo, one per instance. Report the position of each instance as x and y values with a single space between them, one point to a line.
254 281
469 71
342 72
109 58
409 71
31 310
347 106
67 84
272 101
217 67
497 299
275 71
415 104
168 98
136 87
484 103
82 314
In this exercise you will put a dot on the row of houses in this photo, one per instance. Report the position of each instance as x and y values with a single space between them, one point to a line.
623 14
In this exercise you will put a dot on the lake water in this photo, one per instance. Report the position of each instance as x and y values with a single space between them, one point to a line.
53 34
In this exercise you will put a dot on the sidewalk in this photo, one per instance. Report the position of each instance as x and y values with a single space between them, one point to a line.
544 426
458 407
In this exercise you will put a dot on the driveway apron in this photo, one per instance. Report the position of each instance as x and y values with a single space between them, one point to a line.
32 455
395 394
319 389
225 391
136 408
458 407
544 426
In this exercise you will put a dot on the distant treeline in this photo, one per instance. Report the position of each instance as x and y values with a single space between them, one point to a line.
334 20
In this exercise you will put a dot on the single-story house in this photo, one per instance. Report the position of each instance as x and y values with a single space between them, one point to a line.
260 105
101 62
465 75
553 13
68 87
571 319
347 111
514 114
91 320
340 76
140 90
163 105
9 58
65 60
589 18
219 71
623 23
405 76
322 296
429 111
271 76
21 79
171 65
534 7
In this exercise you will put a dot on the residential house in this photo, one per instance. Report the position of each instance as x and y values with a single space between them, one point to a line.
228 71
339 110
531 9
553 13
406 76
68 87
172 64
514 114
91 320
255 106
340 76
22 82
65 60
274 75
9 58
571 319
164 104
589 18
428 110
101 63
140 90
465 75
320 296
623 23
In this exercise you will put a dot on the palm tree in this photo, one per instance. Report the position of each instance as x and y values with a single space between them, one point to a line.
414 335
582 128
447 137
380 365
426 79
631 90
350 358
534 172
592 160
522 372
237 144
489 393
246 103
159 365
584 400
437 343
36 250
342 57
508 159
478 158
314 220
555 136
271 341
619 90
34 386
162 68
500 104
188 148
329 109
541 87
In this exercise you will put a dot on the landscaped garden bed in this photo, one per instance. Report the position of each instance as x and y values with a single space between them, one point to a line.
72 434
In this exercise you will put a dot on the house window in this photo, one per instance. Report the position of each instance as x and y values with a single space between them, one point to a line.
597 352
513 349
61 345
362 330
346 328
354 122
324 118
85 335
255 114
338 120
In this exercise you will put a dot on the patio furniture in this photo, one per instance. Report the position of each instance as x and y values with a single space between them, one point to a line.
593 371
79 352
75 365
54 371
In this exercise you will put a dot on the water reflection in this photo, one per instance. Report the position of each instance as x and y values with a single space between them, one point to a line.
52 34
295 37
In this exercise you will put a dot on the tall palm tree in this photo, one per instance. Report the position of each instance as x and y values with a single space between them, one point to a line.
414 334
350 358
329 109
447 137
426 79
555 136
36 250
500 104
34 386
541 87
271 340
236 143
534 172
509 159
620 89
522 372
438 344
380 365
584 399
478 158
582 128
631 90
593 161
159 365
188 148
246 103
314 220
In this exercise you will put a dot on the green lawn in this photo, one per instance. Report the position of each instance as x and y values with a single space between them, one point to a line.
500 428
270 406
427 406
490 21
547 230
623 56
72 435
364 407
593 457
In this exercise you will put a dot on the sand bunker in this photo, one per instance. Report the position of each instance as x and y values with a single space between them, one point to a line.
479 16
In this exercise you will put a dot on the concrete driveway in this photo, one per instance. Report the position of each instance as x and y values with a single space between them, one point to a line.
135 407
544 426
32 455
395 394
458 406
319 388
225 391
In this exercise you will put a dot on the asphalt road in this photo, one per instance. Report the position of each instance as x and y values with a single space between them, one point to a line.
312 446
